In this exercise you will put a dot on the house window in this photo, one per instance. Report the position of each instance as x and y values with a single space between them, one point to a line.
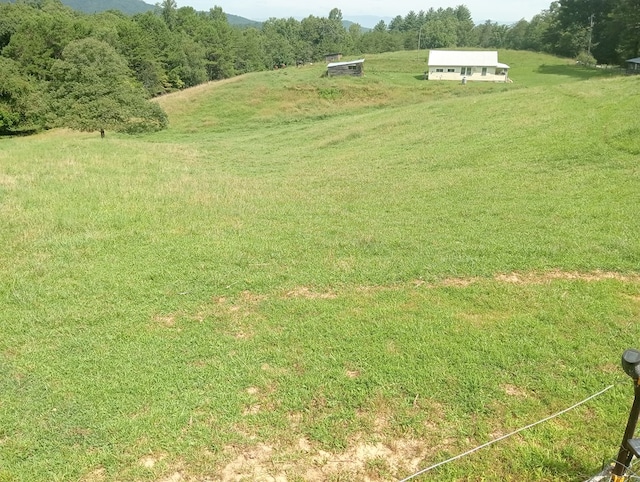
465 71
439 70
451 70
484 71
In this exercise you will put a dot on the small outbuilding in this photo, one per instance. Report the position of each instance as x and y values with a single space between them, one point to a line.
633 66
353 67
333 57
467 65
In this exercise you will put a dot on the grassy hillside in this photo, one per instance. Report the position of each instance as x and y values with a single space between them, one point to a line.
326 279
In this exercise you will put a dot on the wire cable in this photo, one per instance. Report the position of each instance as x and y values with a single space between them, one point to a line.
469 452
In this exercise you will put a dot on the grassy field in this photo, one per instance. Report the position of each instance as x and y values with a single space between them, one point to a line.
326 279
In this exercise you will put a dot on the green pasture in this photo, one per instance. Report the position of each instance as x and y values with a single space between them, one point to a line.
326 279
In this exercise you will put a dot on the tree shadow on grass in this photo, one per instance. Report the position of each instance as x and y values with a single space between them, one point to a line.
20 133
579 72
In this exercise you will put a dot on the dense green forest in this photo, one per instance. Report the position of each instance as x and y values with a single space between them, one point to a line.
61 67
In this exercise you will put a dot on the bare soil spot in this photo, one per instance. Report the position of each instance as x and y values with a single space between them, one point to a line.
533 278
175 477
514 391
165 320
252 410
635 298
7 181
97 475
610 368
242 335
363 461
149 461
458 282
540 278
307 293
295 418
253 464
304 445
245 305
252 298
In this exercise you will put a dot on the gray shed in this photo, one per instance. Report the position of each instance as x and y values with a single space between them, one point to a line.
353 67
333 57
633 66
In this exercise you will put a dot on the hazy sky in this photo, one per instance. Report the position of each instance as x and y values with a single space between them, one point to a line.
481 10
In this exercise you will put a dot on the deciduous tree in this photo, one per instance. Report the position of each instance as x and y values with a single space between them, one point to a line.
20 103
93 90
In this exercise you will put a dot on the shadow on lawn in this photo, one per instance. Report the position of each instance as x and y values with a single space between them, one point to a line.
18 133
579 71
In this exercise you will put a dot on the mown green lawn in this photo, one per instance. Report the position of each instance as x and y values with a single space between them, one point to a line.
326 279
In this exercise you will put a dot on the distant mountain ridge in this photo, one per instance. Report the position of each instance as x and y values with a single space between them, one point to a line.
241 21
367 21
131 7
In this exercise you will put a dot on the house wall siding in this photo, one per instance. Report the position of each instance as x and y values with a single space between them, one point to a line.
441 73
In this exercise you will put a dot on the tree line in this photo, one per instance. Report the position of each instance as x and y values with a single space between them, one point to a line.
60 67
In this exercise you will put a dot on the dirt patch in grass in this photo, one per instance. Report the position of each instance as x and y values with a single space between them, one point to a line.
535 278
459 282
541 278
97 475
246 305
174 477
165 320
7 181
514 391
362 461
379 453
635 298
149 461
307 293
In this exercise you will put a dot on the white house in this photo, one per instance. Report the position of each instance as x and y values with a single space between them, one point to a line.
464 65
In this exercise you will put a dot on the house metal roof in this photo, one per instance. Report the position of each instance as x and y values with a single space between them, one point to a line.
350 62
466 58
634 61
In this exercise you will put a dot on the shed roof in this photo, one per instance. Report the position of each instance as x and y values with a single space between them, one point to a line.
634 61
350 62
471 58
